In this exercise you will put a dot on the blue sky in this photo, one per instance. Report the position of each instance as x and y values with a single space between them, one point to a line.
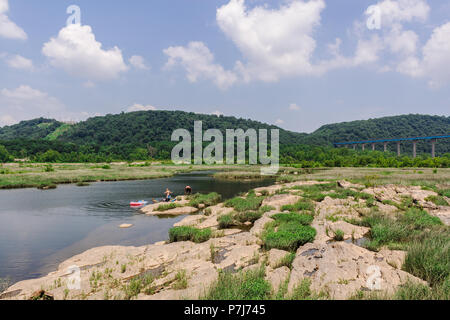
297 64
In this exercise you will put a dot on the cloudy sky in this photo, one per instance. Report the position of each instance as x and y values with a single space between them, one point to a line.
298 64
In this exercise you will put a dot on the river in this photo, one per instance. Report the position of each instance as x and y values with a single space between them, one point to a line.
41 229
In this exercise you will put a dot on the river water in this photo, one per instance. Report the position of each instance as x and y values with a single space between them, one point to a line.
41 229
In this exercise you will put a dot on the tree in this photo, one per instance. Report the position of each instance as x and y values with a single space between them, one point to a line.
4 154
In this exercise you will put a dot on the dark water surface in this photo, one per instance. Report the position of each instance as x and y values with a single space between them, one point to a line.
41 229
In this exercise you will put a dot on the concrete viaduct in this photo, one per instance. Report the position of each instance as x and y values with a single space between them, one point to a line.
385 142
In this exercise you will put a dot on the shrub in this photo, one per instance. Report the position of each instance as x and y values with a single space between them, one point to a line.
177 234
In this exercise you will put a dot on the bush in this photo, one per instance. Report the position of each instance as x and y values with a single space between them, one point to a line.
178 234
206 199
248 216
437 200
4 155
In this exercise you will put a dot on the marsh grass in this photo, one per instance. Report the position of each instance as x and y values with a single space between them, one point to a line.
178 234
399 232
286 261
249 285
288 232
206 199
168 206
250 203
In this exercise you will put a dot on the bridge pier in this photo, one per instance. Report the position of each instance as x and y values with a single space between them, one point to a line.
363 147
414 149
385 146
398 149
373 146
354 147
433 148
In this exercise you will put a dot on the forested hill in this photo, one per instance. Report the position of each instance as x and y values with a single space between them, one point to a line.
144 127
122 133
32 129
405 126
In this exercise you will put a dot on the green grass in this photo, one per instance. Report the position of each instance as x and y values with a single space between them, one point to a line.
250 285
178 234
167 206
286 261
437 200
397 233
206 199
181 280
226 221
244 204
303 219
428 257
339 235
301 205
288 232
238 218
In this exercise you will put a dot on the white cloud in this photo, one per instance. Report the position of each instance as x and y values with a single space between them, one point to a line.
76 51
138 62
19 62
399 11
140 107
279 122
198 62
7 120
275 43
436 56
294 107
25 103
9 29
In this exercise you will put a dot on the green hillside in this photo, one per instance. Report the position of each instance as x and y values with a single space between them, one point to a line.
31 129
146 127
146 134
405 126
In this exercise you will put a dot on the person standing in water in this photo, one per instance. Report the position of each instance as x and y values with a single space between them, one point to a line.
188 190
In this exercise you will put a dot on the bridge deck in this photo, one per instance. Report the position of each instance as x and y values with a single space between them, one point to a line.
391 140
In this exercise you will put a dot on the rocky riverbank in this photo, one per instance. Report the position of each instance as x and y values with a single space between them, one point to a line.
335 263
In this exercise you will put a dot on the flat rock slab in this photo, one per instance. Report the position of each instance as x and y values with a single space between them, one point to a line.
275 257
173 212
280 200
350 231
277 277
342 269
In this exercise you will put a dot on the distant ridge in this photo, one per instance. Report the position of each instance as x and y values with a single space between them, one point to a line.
146 127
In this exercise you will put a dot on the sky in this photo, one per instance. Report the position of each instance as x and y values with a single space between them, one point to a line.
298 64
